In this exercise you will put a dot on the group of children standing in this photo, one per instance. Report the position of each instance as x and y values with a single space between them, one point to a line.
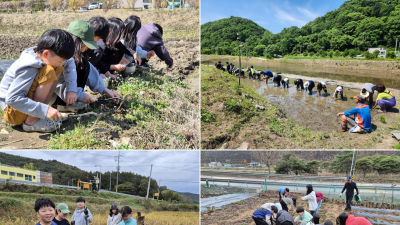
49 214
64 62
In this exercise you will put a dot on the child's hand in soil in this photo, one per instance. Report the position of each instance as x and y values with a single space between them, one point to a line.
87 99
111 76
70 97
53 114
103 76
111 94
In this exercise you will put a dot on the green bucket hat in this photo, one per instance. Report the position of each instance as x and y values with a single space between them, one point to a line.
83 30
63 208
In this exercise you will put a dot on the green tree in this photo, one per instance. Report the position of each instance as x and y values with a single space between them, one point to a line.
206 51
259 50
325 165
312 166
365 165
127 188
341 163
30 166
390 55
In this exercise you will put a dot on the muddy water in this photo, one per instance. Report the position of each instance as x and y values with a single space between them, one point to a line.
389 78
312 111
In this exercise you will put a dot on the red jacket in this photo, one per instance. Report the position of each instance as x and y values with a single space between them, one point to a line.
320 196
351 220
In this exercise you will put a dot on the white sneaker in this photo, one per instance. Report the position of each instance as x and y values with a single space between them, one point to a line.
73 107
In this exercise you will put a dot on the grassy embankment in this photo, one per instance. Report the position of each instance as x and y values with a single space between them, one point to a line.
17 201
229 115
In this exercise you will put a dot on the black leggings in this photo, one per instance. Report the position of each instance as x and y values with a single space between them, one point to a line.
287 223
284 205
82 77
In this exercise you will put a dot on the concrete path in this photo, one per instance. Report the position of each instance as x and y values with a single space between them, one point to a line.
223 200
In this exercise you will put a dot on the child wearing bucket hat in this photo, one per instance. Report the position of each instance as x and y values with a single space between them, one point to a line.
367 91
339 89
83 35
61 211
115 218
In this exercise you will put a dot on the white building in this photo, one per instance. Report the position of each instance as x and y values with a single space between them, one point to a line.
215 164
382 51
139 4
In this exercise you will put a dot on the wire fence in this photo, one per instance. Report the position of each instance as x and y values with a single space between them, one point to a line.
377 194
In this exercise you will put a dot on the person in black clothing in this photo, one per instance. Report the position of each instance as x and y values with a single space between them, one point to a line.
228 67
350 186
309 85
219 65
114 50
101 30
299 83
249 73
321 86
277 79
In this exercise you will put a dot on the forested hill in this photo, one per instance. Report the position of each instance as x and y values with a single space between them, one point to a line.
356 24
223 33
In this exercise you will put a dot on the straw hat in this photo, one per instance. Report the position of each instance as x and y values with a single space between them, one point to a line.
364 93
306 84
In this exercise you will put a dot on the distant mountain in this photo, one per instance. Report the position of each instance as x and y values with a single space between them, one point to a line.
356 24
194 197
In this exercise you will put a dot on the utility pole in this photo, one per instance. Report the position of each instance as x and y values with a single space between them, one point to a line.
110 181
300 49
117 159
351 169
240 62
100 176
72 182
247 61
395 48
148 186
159 183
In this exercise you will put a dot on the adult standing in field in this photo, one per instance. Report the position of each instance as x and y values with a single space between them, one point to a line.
362 117
311 198
150 38
282 192
349 186
367 91
299 84
349 219
309 85
385 99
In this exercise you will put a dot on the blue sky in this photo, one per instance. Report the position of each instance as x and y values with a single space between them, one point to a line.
273 15
178 170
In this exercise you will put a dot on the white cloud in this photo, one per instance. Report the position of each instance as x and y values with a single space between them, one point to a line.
307 13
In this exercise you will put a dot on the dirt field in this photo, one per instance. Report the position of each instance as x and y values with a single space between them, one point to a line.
240 212
161 110
232 121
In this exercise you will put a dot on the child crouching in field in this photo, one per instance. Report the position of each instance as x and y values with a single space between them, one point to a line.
83 35
61 211
29 83
44 208
127 219
82 215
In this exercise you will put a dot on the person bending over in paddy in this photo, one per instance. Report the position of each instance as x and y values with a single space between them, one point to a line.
362 117
29 84
83 35
309 85
277 80
282 192
289 201
321 86
367 91
249 73
385 99
338 90
228 68
299 84
267 74
285 83
253 71
348 219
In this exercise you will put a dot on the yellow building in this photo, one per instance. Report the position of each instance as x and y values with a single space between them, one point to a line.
16 173
84 185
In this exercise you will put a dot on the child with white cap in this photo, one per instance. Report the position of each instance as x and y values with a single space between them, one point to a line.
321 86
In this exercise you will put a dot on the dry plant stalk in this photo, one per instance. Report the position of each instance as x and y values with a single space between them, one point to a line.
109 4
130 3
55 4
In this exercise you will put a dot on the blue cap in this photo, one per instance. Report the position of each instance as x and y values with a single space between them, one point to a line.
349 178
